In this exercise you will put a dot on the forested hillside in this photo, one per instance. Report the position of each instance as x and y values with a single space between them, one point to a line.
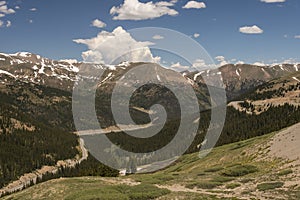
37 130
36 123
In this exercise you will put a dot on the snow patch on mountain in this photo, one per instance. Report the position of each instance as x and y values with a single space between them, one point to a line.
70 61
296 79
124 64
190 81
158 77
7 73
111 67
22 54
35 67
197 75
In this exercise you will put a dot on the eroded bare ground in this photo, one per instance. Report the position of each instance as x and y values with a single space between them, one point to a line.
120 181
283 149
282 152
286 145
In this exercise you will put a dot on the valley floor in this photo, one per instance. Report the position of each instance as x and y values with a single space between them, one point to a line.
265 167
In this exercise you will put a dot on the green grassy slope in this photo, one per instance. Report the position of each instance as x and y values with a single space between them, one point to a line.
236 171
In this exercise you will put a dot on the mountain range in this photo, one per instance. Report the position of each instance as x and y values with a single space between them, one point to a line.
238 78
36 104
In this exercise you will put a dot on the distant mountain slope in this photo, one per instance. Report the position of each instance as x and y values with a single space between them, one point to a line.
240 78
279 91
284 87
36 69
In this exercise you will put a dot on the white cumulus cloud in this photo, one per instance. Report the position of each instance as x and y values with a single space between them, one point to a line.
222 61
196 35
135 10
261 64
98 23
251 30
273 1
194 4
158 37
33 9
199 63
220 58
4 10
240 62
179 67
297 36
71 61
8 23
116 46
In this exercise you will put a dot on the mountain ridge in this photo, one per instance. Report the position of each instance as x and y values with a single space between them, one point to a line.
238 78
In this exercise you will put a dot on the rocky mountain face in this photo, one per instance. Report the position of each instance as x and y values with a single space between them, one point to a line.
277 92
240 78
36 90
33 68
283 87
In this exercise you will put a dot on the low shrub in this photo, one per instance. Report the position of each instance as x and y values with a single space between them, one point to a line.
240 170
269 186
204 185
233 185
285 172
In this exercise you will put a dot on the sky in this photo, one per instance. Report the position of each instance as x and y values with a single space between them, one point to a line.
231 31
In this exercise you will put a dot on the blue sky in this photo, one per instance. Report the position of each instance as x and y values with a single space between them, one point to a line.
51 27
